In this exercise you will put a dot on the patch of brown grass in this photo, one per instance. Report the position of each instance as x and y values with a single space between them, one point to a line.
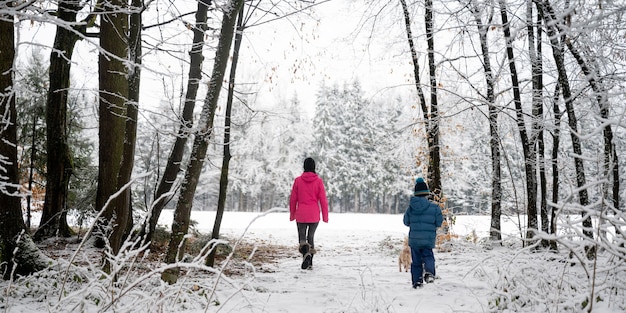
260 254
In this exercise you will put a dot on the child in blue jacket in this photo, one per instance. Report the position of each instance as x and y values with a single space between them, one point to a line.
423 218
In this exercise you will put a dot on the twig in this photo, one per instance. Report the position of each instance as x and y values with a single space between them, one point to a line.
88 233
227 261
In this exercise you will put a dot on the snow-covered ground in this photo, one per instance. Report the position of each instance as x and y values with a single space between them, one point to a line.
355 270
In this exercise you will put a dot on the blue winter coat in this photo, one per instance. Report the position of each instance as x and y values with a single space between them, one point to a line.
423 218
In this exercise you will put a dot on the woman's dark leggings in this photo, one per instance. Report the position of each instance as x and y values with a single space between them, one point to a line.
306 233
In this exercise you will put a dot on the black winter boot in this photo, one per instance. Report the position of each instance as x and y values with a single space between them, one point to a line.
306 262
304 248
429 278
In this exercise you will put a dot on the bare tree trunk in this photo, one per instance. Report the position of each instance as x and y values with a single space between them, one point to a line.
590 69
240 202
495 232
434 159
112 124
386 208
180 224
558 114
556 138
416 68
583 196
221 200
529 157
31 172
18 254
176 155
130 141
59 162
611 162
431 117
537 149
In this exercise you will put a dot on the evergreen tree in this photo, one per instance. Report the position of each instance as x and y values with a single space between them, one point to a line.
31 135
359 141
327 130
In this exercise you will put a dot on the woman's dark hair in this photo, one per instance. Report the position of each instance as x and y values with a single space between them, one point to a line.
309 165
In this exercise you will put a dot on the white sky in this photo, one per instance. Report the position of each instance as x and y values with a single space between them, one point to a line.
277 59
297 54
328 48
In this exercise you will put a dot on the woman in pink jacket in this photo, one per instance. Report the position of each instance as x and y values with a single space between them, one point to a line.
308 198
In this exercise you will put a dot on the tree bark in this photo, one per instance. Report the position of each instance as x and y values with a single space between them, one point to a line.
495 232
556 139
414 59
180 224
537 125
221 200
130 141
611 161
431 118
590 69
18 253
59 162
529 157
583 196
31 171
112 124
434 157
176 155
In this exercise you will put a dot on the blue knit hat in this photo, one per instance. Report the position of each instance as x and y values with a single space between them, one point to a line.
421 188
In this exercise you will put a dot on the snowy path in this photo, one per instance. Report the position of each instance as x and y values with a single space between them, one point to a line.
355 270
349 278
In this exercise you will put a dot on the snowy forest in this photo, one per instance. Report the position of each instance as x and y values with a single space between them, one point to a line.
117 111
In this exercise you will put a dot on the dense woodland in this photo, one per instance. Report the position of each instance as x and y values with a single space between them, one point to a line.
513 107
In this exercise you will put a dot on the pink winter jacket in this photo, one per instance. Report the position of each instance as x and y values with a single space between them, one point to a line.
308 196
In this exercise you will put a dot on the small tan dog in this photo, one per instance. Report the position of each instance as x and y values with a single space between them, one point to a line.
404 259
